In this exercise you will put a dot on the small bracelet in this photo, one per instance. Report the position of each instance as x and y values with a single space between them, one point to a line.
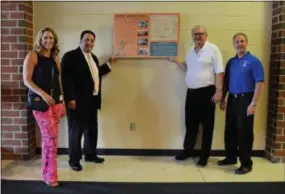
219 89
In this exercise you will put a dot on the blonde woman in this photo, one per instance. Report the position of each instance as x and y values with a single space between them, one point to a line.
41 74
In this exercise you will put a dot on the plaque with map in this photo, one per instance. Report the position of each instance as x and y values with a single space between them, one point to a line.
146 35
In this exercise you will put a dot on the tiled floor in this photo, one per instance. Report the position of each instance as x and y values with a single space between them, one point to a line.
146 169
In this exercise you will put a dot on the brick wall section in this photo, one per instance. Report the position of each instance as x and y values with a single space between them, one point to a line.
17 124
275 140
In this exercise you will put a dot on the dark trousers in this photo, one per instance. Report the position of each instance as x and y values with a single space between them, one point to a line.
77 126
199 108
239 129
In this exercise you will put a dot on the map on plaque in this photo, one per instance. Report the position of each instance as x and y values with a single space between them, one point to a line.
150 35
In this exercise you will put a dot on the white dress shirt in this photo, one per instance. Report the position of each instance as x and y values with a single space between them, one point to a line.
94 71
203 65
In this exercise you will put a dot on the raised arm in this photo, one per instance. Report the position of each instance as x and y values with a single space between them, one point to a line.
105 68
181 64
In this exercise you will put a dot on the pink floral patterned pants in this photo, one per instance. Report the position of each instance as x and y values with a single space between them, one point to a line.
48 123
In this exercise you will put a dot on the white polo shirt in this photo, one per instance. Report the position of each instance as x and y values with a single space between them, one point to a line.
202 66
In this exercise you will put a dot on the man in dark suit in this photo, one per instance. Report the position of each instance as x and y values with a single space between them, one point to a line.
81 80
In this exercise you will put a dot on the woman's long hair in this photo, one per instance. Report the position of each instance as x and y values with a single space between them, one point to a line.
38 44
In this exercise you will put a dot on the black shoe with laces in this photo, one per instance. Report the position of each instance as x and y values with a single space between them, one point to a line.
183 155
202 162
75 166
227 161
243 170
94 159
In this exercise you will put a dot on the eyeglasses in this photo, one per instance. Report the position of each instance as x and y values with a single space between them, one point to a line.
198 34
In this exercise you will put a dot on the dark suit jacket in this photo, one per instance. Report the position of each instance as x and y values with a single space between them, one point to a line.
77 81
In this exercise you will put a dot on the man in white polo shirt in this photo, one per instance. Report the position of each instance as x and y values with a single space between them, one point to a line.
204 78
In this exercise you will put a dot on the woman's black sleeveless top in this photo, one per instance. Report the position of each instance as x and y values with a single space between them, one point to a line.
46 76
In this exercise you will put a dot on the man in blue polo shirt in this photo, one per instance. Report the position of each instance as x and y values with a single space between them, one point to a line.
244 81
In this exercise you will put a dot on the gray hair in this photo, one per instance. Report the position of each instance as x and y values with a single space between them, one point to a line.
199 26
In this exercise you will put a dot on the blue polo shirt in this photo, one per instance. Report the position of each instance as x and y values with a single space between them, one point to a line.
244 73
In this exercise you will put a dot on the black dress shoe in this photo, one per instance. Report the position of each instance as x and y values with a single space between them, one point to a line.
202 162
95 159
183 156
76 166
227 161
243 170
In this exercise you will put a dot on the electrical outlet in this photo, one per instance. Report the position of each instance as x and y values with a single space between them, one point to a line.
132 126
